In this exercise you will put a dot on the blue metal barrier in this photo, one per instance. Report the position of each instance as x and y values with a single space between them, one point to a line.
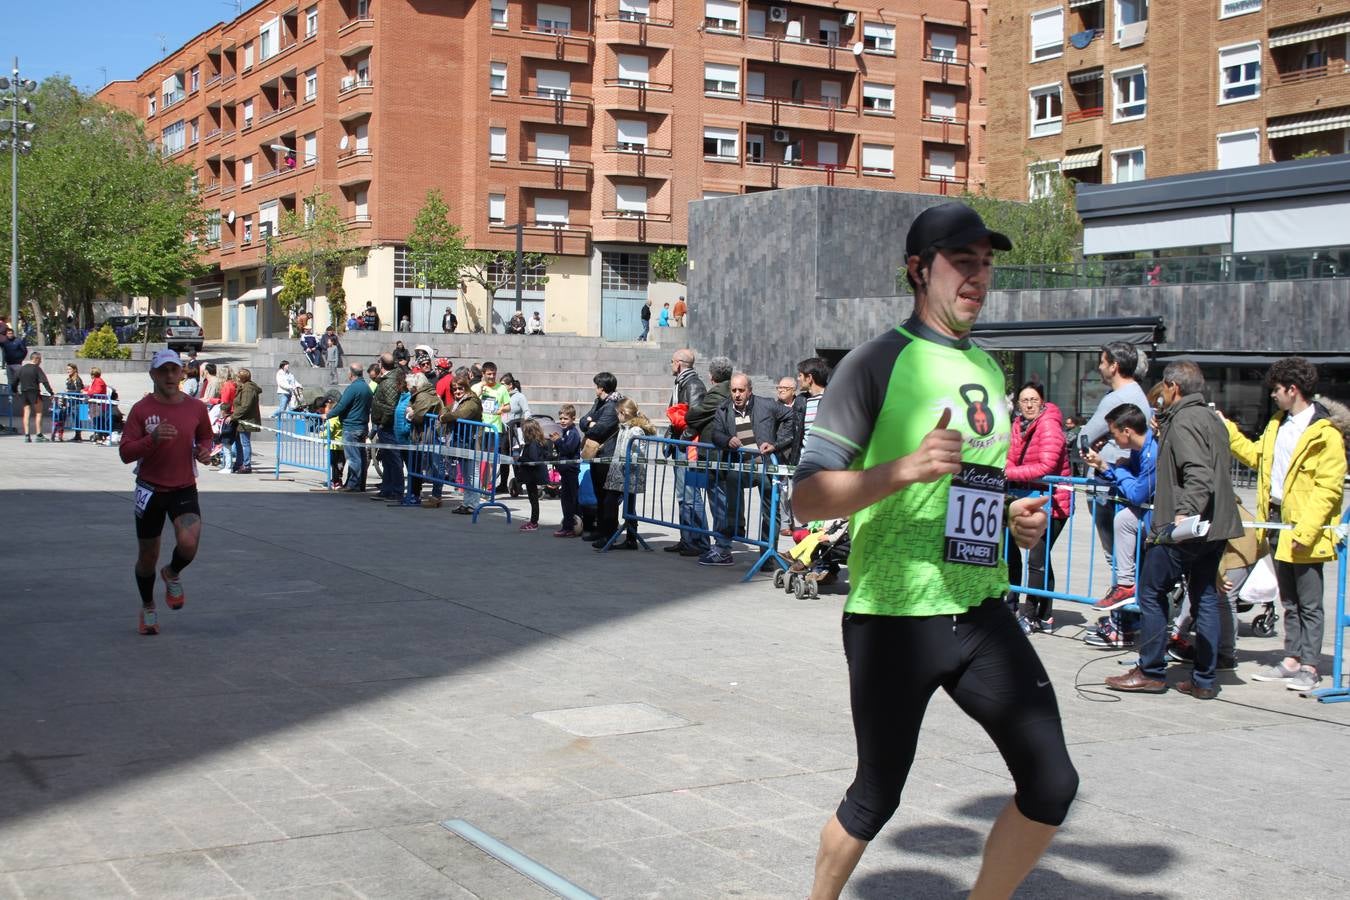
1092 592
463 457
76 411
302 442
743 487
7 405
1339 692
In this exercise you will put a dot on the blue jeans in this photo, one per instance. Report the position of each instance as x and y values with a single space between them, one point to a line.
692 515
1164 564
244 439
284 401
356 457
391 464
646 327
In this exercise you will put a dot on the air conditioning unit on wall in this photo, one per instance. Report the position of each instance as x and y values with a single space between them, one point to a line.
780 136
777 13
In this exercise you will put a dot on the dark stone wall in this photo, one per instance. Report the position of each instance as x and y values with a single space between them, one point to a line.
778 275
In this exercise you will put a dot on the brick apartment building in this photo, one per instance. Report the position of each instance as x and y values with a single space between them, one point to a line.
591 124
1117 90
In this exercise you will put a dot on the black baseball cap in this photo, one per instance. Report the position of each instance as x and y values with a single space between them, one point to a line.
950 225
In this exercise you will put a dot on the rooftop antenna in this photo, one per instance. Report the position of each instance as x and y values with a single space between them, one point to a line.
237 4
104 70
163 45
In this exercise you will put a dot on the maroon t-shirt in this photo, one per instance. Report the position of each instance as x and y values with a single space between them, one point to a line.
172 464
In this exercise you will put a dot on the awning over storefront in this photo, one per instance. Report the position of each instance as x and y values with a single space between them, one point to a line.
1069 335
1083 160
1329 120
1283 37
252 296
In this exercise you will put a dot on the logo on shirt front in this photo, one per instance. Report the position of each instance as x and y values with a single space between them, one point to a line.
978 414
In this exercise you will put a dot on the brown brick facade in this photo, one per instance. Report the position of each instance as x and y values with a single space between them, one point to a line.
1303 87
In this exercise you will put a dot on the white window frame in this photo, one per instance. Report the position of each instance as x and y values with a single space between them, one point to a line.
728 141
1043 127
553 217
312 21
361 204
497 143
309 209
1243 50
829 32
247 177
1040 178
879 38
881 98
1116 17
248 113
931 170
754 148
553 84
500 15
269 39
625 62
173 138
1119 102
195 80
634 10
1231 136
722 16
248 55
311 148
497 85
721 80
1128 151
311 84
943 53
882 159
553 18
496 209
248 230
1047 48
832 94
362 138
626 135
1229 9
193 132
152 106
933 113
559 149
631 205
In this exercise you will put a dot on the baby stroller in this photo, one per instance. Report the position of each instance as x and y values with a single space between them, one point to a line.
552 484
816 558
1260 589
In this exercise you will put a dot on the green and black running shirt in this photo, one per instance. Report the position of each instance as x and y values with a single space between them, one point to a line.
884 397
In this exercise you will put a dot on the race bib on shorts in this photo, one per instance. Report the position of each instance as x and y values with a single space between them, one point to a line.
143 496
974 533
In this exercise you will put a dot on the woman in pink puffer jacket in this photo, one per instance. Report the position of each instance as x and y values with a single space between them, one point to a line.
1038 449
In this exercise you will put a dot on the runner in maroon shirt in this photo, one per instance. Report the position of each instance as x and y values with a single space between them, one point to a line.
166 435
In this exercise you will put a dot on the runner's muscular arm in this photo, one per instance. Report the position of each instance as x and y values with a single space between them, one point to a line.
836 493
205 439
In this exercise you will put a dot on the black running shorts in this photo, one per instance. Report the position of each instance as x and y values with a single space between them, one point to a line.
985 663
154 505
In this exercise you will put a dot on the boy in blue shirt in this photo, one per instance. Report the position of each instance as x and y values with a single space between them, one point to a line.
1132 481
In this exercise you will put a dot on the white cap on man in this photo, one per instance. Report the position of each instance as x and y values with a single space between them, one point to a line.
164 358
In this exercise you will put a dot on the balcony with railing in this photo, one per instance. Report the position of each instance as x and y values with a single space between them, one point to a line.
357 221
646 96
543 237
272 115
945 70
535 41
548 173
1283 265
944 130
622 26
816 113
553 108
796 51
943 185
772 174
635 160
634 225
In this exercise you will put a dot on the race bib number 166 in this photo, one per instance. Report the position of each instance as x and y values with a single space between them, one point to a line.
974 533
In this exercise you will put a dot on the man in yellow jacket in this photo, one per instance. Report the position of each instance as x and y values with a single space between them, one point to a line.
1300 465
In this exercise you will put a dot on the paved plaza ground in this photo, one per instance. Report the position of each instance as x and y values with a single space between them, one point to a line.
346 676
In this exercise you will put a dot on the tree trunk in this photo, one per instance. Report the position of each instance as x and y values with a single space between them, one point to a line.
37 321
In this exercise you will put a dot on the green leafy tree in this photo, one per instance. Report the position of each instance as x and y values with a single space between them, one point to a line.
101 211
1043 231
337 306
493 270
668 263
102 344
296 290
316 239
435 245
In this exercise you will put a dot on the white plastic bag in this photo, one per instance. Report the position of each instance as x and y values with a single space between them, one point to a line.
1260 586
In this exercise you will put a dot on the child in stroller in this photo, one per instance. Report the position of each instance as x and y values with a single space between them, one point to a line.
816 557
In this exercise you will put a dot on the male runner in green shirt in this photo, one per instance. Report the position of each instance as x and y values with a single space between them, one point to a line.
910 442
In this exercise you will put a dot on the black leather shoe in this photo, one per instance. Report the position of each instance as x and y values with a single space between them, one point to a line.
1199 693
675 548
630 544
691 551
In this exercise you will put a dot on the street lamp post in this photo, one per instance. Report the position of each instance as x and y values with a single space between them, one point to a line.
16 146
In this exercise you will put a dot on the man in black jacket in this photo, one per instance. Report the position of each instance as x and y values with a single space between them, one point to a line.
601 425
1193 480
697 427
746 427
646 320
382 418
689 390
